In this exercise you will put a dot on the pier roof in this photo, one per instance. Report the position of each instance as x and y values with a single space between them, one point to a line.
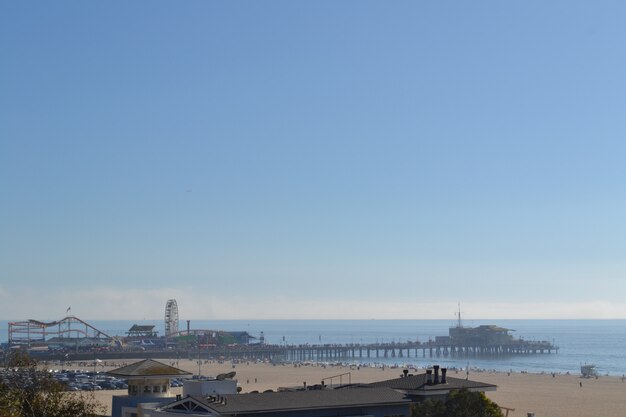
494 328
141 328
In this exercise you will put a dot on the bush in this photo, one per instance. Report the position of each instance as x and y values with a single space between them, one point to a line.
461 403
26 391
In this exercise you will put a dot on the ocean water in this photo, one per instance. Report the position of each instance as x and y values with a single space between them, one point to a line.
599 342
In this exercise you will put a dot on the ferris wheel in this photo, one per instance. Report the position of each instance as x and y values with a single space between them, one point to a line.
171 317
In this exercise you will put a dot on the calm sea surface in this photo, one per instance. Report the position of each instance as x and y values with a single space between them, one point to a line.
599 342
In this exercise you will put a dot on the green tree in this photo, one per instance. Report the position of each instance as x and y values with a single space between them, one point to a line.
461 403
429 408
26 391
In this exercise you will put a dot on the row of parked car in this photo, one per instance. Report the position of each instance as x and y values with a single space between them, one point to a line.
76 380
176 383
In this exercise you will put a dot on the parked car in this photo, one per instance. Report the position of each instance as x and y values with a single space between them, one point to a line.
121 384
107 385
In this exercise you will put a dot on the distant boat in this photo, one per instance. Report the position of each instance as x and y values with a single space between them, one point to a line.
588 371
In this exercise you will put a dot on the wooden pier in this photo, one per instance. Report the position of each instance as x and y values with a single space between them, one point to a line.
328 353
372 352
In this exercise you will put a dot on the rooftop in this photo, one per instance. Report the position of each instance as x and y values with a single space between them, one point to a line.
148 368
300 400
141 328
420 383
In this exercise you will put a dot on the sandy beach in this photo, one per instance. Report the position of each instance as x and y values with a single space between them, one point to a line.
544 394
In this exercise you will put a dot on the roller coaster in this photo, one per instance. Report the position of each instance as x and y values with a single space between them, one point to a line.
32 333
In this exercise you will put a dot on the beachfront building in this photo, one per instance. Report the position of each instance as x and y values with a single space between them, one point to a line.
432 385
361 401
218 397
148 383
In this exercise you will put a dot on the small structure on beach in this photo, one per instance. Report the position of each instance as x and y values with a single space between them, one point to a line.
589 371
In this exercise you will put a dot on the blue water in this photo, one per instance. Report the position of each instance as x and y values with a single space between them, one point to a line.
601 342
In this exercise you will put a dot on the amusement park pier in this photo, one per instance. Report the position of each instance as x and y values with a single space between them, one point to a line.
74 339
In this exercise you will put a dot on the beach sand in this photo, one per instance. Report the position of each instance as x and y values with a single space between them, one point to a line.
544 394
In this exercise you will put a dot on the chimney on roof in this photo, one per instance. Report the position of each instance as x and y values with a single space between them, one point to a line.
443 375
436 368
429 376
178 397
405 372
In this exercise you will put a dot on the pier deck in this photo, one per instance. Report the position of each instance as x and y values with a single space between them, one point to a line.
326 353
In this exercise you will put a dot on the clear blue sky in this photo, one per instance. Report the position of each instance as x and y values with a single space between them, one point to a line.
320 159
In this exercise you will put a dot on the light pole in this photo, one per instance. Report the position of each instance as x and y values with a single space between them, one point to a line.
94 370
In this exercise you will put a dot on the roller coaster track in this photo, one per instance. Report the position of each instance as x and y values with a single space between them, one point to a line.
35 331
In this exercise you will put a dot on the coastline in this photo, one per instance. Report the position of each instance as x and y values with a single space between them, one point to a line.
599 342
545 394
